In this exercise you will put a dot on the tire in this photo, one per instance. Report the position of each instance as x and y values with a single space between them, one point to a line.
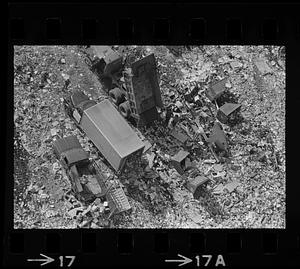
124 109
117 96
88 62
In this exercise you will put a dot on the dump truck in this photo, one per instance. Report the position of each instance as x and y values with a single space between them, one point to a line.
106 128
135 90
86 178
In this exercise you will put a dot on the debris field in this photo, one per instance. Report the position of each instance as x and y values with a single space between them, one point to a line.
214 159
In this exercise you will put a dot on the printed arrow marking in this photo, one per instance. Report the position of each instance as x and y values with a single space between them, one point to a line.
183 262
47 260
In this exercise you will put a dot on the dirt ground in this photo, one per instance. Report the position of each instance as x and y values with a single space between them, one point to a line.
246 191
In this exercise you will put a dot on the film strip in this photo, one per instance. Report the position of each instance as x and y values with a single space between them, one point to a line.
160 23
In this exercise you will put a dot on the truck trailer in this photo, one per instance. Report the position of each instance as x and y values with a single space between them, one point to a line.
106 128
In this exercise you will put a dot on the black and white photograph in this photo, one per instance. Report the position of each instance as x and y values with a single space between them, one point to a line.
114 136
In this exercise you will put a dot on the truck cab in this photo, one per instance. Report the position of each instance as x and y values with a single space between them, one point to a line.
87 180
77 165
75 104
106 63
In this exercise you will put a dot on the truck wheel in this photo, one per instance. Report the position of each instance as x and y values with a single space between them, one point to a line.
125 109
117 96
88 62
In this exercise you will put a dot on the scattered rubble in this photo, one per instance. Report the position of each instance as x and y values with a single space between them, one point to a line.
179 135
262 66
249 186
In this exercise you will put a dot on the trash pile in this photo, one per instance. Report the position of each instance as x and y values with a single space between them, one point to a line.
215 159
199 121
95 215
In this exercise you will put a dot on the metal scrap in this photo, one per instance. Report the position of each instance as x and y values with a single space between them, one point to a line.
151 158
194 184
218 189
179 161
87 210
218 137
235 64
226 110
229 108
73 212
84 223
94 225
179 135
215 90
219 174
189 97
232 185
218 167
